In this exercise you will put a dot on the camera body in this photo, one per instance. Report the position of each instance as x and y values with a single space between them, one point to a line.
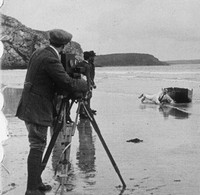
75 69
72 66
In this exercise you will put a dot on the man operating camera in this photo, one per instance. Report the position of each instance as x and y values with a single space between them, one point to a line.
44 75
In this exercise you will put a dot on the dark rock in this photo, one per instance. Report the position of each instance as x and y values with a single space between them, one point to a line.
177 180
136 140
20 42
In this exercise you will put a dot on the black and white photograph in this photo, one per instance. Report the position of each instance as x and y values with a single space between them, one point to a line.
100 97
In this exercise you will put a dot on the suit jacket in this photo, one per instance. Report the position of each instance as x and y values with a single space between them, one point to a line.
44 74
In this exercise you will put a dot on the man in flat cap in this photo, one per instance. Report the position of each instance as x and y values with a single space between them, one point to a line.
36 108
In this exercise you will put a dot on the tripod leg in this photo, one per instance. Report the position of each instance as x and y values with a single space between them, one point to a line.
96 128
57 189
59 125
57 128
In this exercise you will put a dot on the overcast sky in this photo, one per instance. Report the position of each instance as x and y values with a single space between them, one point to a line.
167 29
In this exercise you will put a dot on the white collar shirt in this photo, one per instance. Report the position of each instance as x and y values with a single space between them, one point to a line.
55 51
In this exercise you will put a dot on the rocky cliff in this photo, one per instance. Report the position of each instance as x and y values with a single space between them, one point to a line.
20 42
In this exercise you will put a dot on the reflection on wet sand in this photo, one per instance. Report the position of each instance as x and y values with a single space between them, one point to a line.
64 171
86 151
177 111
57 151
173 111
85 155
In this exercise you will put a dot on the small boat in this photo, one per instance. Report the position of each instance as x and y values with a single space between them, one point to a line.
180 95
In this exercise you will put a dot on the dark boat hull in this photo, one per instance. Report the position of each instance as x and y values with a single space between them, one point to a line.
180 95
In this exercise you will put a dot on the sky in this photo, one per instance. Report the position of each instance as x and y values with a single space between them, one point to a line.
167 29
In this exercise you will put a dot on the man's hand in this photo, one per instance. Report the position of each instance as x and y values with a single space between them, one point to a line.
81 85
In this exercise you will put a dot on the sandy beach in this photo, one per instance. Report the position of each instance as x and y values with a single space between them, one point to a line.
166 162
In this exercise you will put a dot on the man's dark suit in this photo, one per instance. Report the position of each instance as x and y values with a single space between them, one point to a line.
44 73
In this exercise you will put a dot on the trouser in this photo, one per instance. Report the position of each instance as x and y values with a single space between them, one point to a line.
37 136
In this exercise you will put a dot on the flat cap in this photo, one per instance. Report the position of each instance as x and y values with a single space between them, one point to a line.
59 36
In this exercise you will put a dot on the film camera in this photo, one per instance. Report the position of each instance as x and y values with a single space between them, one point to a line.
76 68
73 67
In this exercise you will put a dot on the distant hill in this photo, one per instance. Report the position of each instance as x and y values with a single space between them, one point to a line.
196 61
127 59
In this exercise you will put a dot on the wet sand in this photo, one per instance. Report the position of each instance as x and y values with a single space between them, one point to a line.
166 162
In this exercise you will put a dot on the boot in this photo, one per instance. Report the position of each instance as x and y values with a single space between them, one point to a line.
41 186
34 162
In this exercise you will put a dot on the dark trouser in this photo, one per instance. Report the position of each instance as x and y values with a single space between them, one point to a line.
37 136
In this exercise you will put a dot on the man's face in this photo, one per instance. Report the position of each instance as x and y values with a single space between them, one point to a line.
62 49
